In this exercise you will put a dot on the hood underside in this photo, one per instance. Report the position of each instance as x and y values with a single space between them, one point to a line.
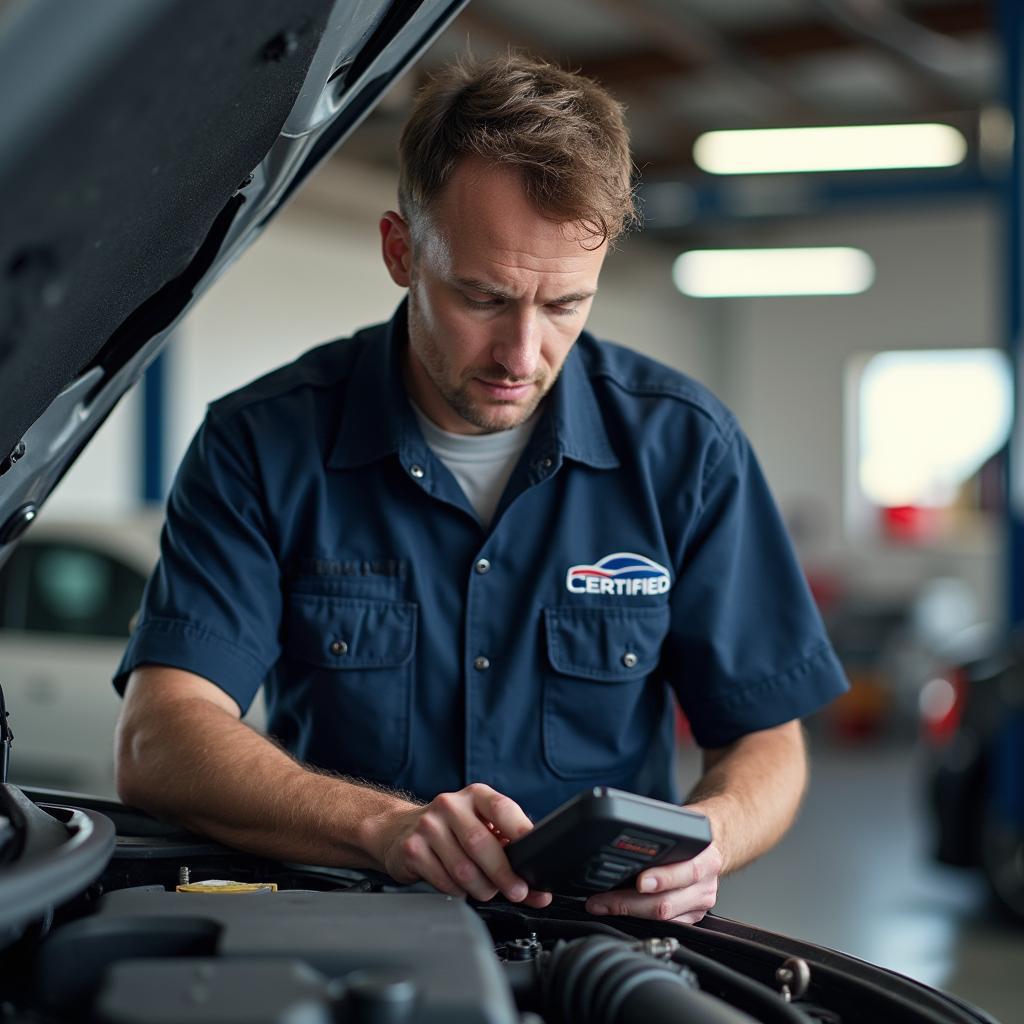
146 146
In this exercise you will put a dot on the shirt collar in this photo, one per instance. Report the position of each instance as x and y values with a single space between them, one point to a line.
378 419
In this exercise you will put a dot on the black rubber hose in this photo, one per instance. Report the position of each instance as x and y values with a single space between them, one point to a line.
599 980
741 991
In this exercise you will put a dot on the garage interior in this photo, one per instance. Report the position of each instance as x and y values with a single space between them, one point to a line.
883 417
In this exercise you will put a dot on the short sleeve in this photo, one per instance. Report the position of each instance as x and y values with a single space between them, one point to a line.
213 603
747 649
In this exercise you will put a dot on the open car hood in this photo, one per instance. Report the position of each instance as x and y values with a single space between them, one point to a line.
144 146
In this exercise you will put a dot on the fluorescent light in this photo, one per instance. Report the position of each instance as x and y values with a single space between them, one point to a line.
712 273
843 148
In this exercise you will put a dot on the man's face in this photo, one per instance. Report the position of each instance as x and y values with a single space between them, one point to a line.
498 295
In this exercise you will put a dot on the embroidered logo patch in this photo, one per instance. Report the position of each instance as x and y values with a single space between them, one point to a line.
623 573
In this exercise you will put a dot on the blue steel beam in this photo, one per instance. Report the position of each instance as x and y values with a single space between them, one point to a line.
676 204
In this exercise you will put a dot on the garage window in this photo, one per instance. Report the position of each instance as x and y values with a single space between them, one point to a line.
928 430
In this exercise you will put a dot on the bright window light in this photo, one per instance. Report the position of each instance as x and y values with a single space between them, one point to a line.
928 421
844 148
716 273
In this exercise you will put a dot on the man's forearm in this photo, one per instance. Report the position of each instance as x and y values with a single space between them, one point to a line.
208 771
751 791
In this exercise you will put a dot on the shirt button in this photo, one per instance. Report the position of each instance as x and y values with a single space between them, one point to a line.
339 647
629 659
482 664
417 471
546 463
482 566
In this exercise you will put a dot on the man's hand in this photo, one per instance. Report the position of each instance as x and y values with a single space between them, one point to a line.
456 843
750 791
681 893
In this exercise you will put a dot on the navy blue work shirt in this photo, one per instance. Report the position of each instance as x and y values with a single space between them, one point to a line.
315 545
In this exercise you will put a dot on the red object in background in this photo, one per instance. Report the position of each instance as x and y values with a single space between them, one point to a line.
909 522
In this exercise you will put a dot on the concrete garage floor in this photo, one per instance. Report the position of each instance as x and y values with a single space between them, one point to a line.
854 874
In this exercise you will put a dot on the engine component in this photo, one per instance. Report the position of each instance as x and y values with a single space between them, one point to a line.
793 978
439 944
523 949
606 981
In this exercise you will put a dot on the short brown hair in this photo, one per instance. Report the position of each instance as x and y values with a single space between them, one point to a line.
563 132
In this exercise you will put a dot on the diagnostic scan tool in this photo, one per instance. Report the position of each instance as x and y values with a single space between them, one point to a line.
602 839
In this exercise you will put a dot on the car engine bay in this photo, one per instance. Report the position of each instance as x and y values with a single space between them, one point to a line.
109 915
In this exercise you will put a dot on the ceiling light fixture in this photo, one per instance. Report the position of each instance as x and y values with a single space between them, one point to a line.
844 148
720 273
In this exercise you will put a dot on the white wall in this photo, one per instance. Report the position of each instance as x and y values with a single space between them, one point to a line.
937 285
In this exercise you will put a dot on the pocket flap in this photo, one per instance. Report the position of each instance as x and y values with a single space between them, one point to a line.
348 632
609 644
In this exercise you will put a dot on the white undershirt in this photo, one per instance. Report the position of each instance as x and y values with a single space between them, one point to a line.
481 463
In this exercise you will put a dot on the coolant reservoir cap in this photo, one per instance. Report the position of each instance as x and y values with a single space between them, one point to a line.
221 886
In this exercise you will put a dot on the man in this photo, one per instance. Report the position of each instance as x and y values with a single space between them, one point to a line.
468 552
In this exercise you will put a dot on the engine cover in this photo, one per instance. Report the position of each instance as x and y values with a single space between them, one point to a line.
151 957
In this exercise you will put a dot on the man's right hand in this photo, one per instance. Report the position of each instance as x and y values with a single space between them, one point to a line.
456 843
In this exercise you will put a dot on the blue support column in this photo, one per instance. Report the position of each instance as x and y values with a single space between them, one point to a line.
1012 25
1007 769
154 425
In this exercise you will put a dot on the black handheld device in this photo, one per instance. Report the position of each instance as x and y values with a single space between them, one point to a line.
602 839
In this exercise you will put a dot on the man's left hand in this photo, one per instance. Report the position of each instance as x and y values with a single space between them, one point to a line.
681 893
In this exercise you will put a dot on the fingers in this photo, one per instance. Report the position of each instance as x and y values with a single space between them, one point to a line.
424 863
502 813
682 893
538 900
460 863
679 905
465 834
707 864
465 815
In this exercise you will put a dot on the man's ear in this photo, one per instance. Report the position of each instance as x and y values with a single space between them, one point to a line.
396 247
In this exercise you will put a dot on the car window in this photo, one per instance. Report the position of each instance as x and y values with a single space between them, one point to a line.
70 588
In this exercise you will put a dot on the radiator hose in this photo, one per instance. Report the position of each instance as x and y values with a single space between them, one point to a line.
601 980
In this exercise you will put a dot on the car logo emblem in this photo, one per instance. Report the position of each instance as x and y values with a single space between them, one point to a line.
623 573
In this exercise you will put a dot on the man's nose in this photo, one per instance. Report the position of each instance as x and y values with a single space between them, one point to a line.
518 350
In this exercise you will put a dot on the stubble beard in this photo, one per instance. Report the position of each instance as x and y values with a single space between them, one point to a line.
482 415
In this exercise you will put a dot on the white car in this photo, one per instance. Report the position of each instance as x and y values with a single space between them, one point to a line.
68 597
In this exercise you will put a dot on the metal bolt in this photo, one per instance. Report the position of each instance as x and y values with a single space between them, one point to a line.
183 875
793 978
660 949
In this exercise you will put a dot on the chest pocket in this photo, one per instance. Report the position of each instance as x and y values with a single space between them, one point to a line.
600 711
353 660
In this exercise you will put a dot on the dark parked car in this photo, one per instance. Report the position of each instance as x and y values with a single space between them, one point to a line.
143 145
974 725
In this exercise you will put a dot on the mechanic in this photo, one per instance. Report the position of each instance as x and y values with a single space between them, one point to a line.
472 553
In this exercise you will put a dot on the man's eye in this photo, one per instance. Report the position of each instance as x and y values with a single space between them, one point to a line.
563 310
483 303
